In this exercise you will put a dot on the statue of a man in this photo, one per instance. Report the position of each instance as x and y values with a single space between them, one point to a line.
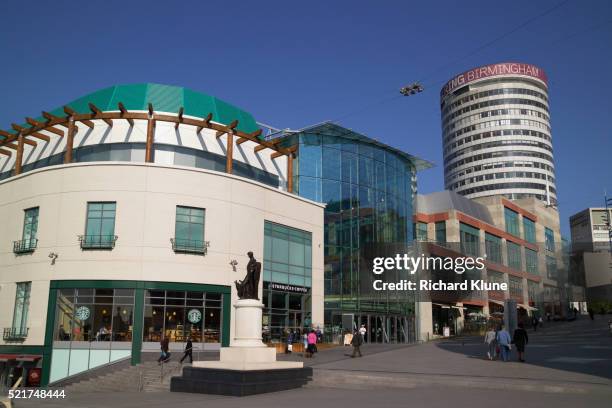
248 288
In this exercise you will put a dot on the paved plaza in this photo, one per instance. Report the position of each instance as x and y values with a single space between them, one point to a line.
568 364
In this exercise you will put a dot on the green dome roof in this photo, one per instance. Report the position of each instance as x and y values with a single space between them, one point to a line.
164 98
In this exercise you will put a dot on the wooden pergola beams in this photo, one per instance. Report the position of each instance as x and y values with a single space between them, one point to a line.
71 113
150 135
88 119
180 118
98 113
124 113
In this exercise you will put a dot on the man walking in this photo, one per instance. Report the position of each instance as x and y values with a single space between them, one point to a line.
491 343
356 342
520 339
188 351
504 341
363 331
165 346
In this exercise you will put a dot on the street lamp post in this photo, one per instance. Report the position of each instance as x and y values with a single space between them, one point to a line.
608 221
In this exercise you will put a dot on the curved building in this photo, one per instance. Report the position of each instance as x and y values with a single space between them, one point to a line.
128 217
496 133
368 188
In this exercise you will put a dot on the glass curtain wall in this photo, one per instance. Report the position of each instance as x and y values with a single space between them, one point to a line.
368 191
287 281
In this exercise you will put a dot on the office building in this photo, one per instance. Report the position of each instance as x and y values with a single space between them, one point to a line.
496 133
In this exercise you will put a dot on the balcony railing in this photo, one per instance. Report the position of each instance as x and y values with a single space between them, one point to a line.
25 246
97 241
189 246
15 333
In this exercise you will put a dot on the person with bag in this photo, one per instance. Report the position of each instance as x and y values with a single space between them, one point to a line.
289 347
356 342
520 339
504 341
312 343
165 354
491 340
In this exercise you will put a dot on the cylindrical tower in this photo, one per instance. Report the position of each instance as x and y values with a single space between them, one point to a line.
496 133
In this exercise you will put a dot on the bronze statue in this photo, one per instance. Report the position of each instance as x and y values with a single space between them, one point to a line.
248 288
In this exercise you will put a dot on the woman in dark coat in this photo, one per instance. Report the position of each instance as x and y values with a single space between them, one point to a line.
520 339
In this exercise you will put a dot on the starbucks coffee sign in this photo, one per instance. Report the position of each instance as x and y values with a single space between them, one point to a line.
194 316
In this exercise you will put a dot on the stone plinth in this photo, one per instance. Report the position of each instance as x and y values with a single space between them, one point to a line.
247 367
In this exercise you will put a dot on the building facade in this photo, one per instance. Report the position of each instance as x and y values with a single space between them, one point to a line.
591 255
368 189
129 214
496 133
521 245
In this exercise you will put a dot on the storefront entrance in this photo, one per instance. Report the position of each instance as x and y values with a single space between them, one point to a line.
100 322
287 309
379 328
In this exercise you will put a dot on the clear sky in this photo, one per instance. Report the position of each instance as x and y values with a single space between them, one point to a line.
292 64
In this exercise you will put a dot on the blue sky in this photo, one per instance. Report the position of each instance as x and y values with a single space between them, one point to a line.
292 64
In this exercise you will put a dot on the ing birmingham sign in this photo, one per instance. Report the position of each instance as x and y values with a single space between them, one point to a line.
504 68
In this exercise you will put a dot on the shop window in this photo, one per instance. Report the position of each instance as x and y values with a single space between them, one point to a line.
179 315
92 327
189 230
100 226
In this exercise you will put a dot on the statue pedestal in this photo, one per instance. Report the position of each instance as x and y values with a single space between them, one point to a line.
247 367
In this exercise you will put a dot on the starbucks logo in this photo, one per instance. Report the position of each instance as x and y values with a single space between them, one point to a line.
82 313
194 316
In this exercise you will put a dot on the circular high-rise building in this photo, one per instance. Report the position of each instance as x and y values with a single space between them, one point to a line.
496 133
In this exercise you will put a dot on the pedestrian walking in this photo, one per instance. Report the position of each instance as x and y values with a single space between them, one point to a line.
356 342
312 343
591 313
504 341
490 340
520 339
363 331
289 346
188 351
305 342
534 323
164 344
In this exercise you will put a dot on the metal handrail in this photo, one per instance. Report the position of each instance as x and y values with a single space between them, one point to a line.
97 241
15 334
190 246
25 245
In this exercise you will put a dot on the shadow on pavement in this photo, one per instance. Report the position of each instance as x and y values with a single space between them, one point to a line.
580 346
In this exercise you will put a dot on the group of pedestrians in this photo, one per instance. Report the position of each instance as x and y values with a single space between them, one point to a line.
309 340
164 357
499 343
